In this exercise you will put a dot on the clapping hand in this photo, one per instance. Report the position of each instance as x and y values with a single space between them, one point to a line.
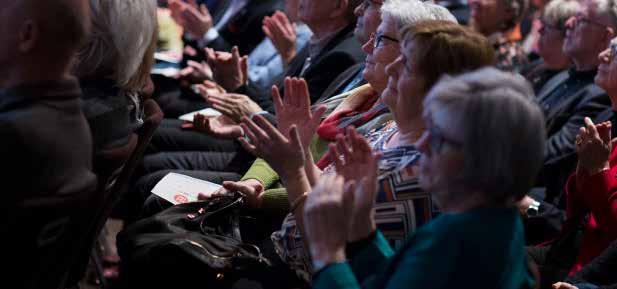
219 126
295 110
235 106
283 152
327 217
195 20
356 162
252 190
594 146
230 70
282 33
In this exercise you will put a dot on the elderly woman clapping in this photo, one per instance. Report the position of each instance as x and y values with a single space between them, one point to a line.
478 241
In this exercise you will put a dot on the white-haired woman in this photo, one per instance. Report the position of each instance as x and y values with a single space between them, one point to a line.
499 21
481 151
114 67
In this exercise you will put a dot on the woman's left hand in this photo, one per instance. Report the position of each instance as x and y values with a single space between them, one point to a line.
327 217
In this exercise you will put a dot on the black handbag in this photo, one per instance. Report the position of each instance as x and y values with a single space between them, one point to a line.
193 244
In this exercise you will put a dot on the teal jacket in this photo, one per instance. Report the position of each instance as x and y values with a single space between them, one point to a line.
482 248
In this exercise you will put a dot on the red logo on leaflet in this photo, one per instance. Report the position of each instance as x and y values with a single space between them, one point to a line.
181 199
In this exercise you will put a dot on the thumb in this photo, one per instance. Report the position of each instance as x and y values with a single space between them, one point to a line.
614 142
318 114
204 9
235 54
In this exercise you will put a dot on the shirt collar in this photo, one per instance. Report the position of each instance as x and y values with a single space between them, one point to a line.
587 75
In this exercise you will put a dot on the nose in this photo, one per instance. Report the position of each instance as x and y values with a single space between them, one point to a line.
391 68
369 45
605 56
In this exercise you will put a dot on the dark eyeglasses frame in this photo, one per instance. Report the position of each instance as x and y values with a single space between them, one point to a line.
582 19
380 37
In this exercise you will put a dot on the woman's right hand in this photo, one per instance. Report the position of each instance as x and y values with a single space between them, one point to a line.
594 146
252 189
295 109
284 153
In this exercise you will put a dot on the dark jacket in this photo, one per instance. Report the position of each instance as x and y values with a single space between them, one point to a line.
341 82
48 186
601 271
338 55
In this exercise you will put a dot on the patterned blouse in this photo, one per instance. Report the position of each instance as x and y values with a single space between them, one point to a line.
401 205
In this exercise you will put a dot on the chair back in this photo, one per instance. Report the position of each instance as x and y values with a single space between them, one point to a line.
116 167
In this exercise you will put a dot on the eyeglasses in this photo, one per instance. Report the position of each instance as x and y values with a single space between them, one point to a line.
380 37
437 140
580 19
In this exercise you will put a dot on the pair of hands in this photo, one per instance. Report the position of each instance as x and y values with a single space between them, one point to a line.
339 209
194 19
230 70
282 33
594 146
284 148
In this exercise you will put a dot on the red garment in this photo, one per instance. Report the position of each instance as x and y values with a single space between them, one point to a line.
595 195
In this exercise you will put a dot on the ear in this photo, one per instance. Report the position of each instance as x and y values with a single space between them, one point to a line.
28 36
340 9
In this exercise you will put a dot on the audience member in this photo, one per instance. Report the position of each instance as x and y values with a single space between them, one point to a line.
499 21
591 194
550 42
566 99
432 48
478 241
114 68
46 144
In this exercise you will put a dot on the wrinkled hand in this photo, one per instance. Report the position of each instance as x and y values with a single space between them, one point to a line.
327 218
295 109
594 145
234 106
282 33
220 126
283 153
196 20
208 88
229 69
252 190
195 72
563 285
354 159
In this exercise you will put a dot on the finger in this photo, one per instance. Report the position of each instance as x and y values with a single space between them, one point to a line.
224 110
204 10
287 99
348 200
259 133
210 55
335 158
193 3
235 54
248 133
278 102
304 92
294 136
316 117
269 129
591 128
248 147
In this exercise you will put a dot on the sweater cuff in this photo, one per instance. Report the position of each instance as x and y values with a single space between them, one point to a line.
335 275
261 171
275 200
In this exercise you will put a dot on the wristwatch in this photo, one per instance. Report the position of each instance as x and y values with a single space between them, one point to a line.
533 209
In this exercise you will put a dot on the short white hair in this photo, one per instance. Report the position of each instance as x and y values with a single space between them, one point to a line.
123 31
557 12
502 131
406 12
